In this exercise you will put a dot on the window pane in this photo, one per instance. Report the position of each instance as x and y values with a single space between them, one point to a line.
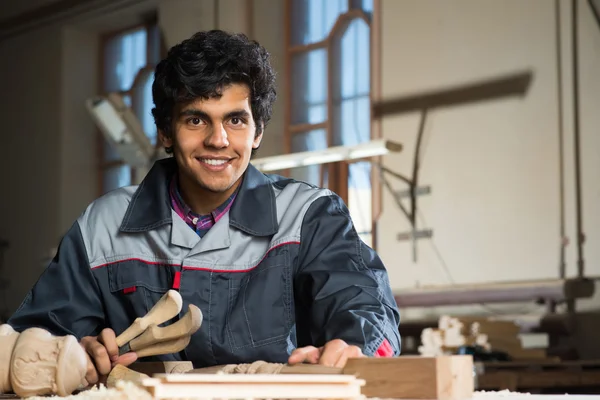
352 111
352 118
142 106
312 140
313 19
309 87
359 198
124 55
116 177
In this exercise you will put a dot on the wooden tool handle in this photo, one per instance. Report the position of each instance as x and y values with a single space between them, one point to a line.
167 347
186 326
166 308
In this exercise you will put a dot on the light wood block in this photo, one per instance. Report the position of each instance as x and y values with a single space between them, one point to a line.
407 377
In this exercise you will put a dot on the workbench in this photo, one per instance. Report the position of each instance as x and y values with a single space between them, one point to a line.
500 395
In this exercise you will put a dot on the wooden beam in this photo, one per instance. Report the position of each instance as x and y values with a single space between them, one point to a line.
504 86
441 378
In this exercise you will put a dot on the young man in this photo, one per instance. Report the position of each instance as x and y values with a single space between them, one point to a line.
275 265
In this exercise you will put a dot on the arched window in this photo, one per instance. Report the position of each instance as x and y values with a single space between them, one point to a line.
330 64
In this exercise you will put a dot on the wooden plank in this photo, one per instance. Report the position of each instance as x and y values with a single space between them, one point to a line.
245 386
405 377
254 378
441 378
530 380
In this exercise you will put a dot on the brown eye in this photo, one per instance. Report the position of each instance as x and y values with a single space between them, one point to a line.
195 121
235 121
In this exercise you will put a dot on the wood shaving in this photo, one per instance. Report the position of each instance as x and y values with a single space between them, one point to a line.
123 390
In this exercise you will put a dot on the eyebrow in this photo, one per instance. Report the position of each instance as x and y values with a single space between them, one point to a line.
194 112
237 114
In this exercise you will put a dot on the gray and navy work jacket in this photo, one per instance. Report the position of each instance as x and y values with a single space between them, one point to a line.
284 268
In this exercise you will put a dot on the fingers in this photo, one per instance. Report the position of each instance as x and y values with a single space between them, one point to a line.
349 352
108 338
308 354
332 352
91 376
335 353
126 359
98 355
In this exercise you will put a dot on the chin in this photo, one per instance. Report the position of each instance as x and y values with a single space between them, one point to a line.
215 187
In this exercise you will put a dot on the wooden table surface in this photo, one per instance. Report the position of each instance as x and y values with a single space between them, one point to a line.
502 395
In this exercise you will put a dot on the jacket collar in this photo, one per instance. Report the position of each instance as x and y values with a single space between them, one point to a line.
254 210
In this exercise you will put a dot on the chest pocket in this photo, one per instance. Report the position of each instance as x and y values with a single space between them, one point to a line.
135 287
260 308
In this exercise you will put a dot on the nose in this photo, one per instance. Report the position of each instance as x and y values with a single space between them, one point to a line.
217 138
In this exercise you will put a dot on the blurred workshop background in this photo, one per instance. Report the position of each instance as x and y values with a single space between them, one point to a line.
488 219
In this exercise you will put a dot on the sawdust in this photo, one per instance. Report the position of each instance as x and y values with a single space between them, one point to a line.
499 393
123 390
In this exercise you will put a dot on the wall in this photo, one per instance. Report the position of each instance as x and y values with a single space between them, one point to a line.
49 163
493 166
269 17
78 134
30 115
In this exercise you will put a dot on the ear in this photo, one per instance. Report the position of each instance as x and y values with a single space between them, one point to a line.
166 141
258 139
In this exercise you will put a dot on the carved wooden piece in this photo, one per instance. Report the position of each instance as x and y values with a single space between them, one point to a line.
121 373
167 307
44 364
8 339
168 347
186 326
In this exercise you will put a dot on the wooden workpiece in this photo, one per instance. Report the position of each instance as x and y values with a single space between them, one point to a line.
249 386
441 378
167 307
405 377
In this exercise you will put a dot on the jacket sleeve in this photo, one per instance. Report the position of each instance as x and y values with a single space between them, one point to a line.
341 286
65 300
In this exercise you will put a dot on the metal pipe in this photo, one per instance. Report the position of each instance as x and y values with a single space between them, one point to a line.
415 183
558 290
561 173
576 137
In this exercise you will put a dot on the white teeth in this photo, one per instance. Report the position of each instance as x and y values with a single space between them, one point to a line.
213 162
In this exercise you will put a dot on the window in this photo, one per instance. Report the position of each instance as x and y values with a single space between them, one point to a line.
128 59
330 61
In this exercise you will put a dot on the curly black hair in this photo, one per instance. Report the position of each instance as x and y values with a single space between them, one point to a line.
203 65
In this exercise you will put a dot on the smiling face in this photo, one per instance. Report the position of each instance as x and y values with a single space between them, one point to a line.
212 143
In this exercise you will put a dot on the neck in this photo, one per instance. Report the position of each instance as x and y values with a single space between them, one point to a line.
201 200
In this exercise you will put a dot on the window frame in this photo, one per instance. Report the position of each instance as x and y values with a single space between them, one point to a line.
104 38
338 172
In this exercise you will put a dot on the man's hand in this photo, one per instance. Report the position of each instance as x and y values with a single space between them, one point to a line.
335 353
103 354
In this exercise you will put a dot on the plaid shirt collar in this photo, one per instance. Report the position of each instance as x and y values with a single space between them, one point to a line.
199 223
